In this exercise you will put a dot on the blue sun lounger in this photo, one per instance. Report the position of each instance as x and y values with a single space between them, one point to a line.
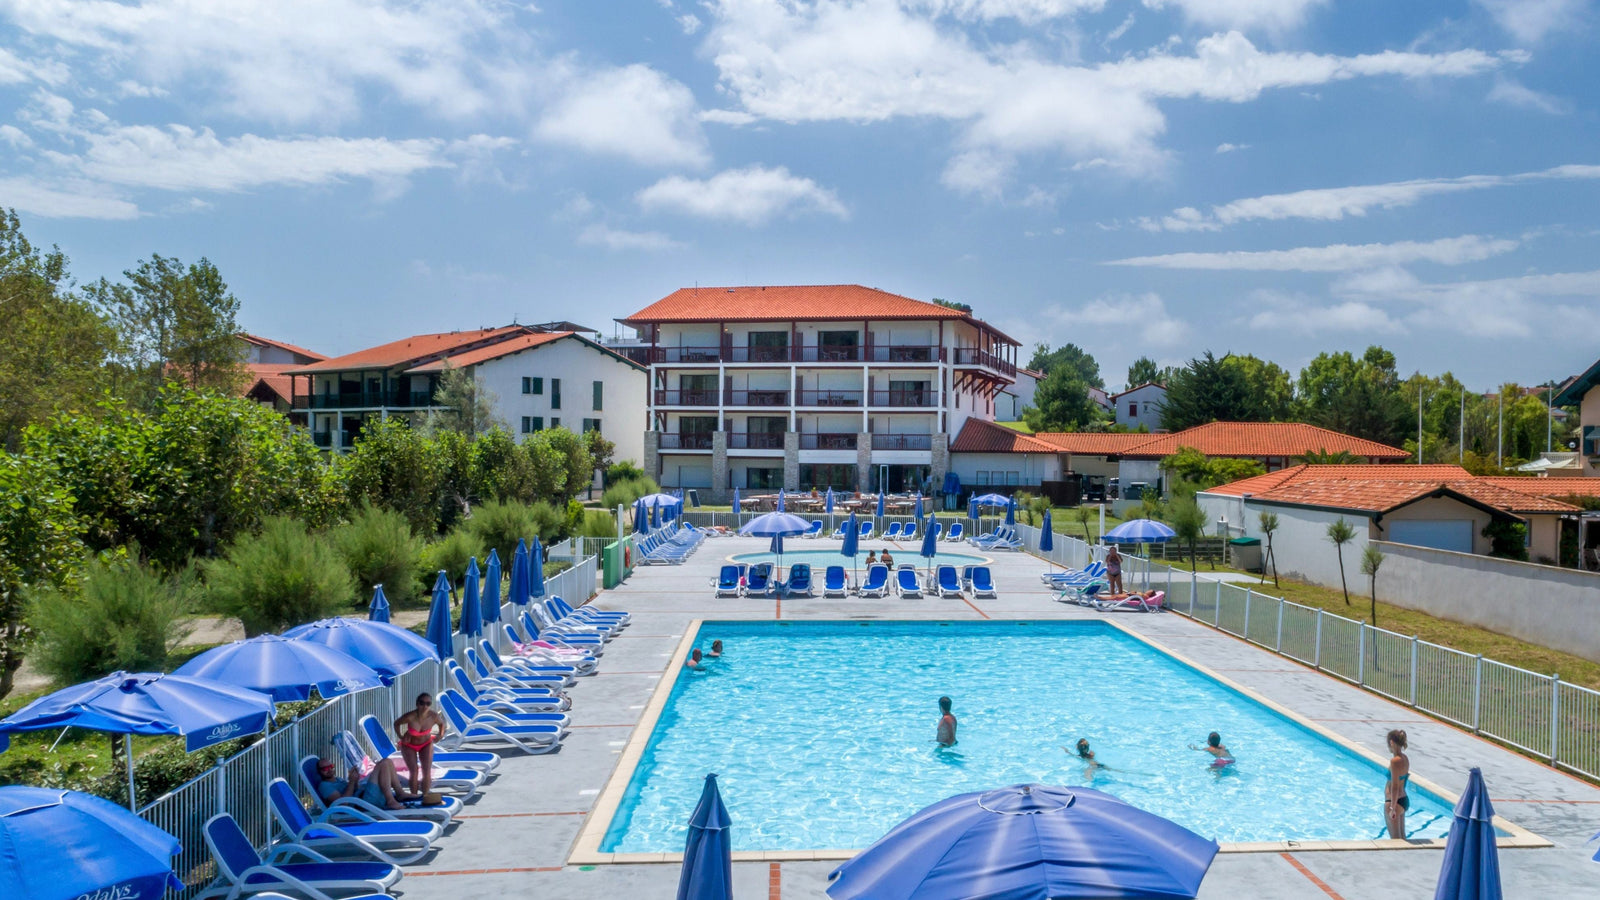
487 729
833 582
815 531
384 747
843 527
727 583
866 530
892 532
241 871
949 582
395 843
877 583
910 532
359 810
906 580
955 534
983 582
799 583
759 582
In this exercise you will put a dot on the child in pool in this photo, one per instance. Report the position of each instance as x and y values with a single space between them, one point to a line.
1221 756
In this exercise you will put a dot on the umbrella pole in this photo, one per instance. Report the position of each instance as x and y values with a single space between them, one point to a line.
133 802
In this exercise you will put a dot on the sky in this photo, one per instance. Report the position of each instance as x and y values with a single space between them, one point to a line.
1140 177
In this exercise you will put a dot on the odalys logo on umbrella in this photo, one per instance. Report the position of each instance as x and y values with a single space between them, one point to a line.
119 892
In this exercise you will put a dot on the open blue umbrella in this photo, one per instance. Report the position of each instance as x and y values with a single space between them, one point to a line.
491 587
654 500
852 542
518 592
1140 531
991 500
930 544
1011 512
203 711
282 668
439 618
63 845
378 610
1028 842
1471 869
1047 536
775 523
471 612
388 649
536 568
708 854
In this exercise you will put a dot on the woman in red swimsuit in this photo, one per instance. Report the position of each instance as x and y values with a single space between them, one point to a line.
416 732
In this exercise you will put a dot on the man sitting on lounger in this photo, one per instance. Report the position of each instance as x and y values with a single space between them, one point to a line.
381 788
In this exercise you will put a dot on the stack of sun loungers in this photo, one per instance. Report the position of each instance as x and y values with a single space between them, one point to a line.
354 850
668 546
1002 538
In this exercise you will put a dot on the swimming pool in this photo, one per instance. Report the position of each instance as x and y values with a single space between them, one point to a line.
821 559
821 734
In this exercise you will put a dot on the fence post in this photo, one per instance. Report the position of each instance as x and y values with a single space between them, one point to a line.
1555 715
1216 612
1247 593
1277 644
1316 654
1361 653
1169 587
1193 590
1413 670
1477 692
222 784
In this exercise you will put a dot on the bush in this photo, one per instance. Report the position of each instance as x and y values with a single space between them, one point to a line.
598 523
122 616
624 493
279 578
451 553
499 526
378 547
623 471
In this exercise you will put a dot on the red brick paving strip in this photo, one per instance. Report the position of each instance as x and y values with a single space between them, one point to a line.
484 871
774 882
1314 879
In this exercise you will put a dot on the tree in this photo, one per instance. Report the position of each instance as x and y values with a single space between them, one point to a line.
55 343
378 547
954 304
1142 371
392 466
1083 519
282 577
1189 521
1341 533
1268 389
1070 356
1192 466
1269 525
601 451
1323 457
1206 390
579 467
39 547
175 322
468 406
1371 561
1356 396
121 616
1061 402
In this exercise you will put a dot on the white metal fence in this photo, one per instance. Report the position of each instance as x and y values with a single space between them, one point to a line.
237 785
1538 714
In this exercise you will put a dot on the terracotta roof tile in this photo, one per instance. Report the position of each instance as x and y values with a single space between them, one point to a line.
787 303
1509 500
1547 487
258 339
1260 484
413 349
1365 496
1092 443
1380 492
979 436
1262 439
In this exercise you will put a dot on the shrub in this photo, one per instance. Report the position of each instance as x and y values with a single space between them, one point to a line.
623 493
279 578
598 523
451 553
499 526
623 471
122 616
378 547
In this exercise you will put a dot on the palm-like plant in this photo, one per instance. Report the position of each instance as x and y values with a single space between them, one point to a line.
1341 533
1186 518
1269 524
1322 457
1371 560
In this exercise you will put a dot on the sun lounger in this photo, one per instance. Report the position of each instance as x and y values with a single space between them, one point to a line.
355 809
584 640
949 582
906 580
877 583
1085 575
588 613
1083 595
954 534
910 532
727 582
518 664
498 697
843 527
892 533
1133 603
382 745
539 657
559 619
866 530
815 531
241 871
982 582
484 730
759 583
518 677
833 582
799 583
395 843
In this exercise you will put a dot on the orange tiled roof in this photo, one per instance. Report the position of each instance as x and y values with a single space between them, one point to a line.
512 345
1260 484
1093 443
1382 493
410 350
1547 487
1509 500
1262 439
795 302
979 436
301 351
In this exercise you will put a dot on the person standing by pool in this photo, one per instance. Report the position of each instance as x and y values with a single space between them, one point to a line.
947 724
1114 569
1218 750
417 731
1395 799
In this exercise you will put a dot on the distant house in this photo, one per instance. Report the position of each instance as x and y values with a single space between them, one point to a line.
1580 392
1140 405
266 360
1017 396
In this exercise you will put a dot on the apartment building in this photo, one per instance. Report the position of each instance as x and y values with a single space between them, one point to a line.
808 386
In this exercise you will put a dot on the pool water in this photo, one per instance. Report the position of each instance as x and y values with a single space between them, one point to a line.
821 734
821 559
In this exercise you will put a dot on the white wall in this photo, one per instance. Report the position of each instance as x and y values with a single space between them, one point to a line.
1147 400
1145 470
1300 544
578 365
1589 416
1031 468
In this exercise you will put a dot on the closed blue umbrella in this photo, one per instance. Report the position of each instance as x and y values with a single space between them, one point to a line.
972 509
852 542
491 587
388 649
827 501
930 544
1011 512
708 853
917 513
1028 842
1140 531
518 592
880 511
736 517
536 568
471 613
639 517
378 610
655 517
780 499
776 549
439 618
1047 536
284 669
63 845
1471 869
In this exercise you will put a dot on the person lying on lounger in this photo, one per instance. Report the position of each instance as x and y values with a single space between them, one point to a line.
381 788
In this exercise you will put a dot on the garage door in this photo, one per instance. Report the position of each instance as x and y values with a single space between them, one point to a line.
1440 534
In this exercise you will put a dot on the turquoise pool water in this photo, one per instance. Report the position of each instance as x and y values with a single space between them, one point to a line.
822 736
821 559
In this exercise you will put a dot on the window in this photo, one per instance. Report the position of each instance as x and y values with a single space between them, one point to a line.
555 393
530 424
591 424
533 385
1133 409
555 421
768 346
839 476
766 479
599 393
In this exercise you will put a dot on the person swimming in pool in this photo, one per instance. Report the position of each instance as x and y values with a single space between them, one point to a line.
716 649
693 662
1395 799
1221 756
872 558
1090 764
946 736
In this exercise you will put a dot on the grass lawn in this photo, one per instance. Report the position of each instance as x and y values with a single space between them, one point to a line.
1065 520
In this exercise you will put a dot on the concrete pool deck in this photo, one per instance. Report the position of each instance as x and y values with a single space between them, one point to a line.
516 839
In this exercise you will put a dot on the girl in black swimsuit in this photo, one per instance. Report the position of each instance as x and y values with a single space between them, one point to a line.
1395 799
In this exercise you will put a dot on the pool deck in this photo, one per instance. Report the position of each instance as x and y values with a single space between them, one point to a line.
517 837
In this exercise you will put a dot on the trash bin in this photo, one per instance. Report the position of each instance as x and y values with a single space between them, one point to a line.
1245 552
1136 490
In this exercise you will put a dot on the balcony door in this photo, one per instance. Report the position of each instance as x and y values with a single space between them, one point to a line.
768 346
838 346
766 432
694 432
908 393
698 390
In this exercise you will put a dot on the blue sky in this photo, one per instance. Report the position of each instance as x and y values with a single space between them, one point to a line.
1156 177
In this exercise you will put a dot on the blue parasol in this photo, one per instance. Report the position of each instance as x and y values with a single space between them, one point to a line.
1028 842
1011 512
471 623
880 511
708 853
852 542
775 523
780 500
388 649
378 610
639 518
736 517
63 845
1140 531
491 587
930 543
439 618
917 514
284 669
518 592
535 568
1047 537
1471 869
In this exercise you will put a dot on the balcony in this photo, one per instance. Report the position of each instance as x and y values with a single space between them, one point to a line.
830 399
685 441
902 442
739 440
972 356
323 439
685 355
905 353
920 399
846 441
832 354
759 354
366 400
778 397
687 398
798 353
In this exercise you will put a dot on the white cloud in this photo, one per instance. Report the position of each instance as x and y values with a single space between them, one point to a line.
1144 315
1514 93
16 137
634 112
1028 12
17 70
1268 15
1229 148
1334 258
751 196
1334 204
1114 34
1298 314
616 239
689 22
1530 20
70 199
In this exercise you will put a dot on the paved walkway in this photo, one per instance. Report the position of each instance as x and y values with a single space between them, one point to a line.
514 841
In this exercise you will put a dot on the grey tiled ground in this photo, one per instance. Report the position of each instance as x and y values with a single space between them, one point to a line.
525 822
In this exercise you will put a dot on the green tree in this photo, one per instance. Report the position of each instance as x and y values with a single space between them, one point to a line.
1324 457
1193 467
1189 521
39 547
1071 356
1268 389
55 343
1357 396
1061 402
468 406
1269 526
1341 533
378 547
120 616
1206 390
601 452
1371 561
175 322
954 304
578 466
393 466
1142 371
282 577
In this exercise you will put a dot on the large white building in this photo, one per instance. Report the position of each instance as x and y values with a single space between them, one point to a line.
540 380
820 386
